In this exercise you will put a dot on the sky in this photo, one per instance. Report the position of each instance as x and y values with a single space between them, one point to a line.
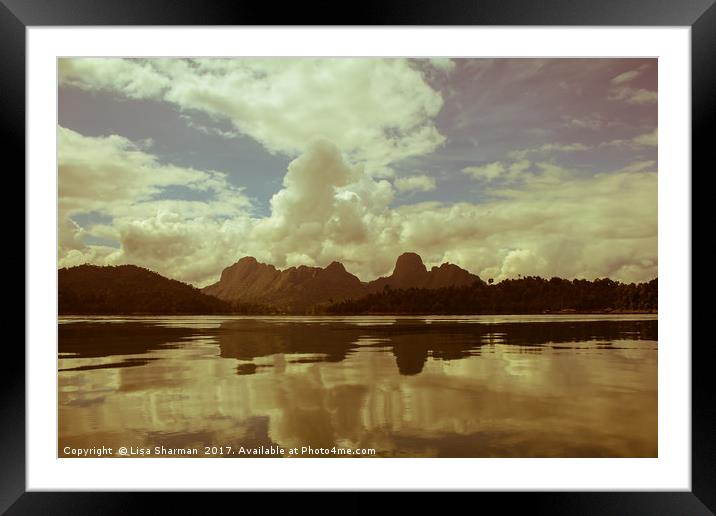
505 167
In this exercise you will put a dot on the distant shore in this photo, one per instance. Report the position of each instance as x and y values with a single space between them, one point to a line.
289 314
410 290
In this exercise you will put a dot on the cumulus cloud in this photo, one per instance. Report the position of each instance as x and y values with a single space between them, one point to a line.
573 227
553 222
377 110
421 183
107 173
323 213
602 226
116 179
556 224
345 123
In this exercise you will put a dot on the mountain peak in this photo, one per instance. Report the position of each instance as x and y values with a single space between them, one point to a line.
336 266
409 271
409 263
246 265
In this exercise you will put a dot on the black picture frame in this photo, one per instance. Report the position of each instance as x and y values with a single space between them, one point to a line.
700 15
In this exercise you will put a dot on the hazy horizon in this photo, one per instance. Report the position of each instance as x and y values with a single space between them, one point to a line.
504 167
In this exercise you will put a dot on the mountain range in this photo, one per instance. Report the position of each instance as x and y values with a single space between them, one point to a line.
251 287
298 289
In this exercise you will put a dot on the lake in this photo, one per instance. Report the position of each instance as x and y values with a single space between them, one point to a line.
476 386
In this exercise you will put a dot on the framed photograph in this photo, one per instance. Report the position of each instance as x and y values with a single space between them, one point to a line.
432 250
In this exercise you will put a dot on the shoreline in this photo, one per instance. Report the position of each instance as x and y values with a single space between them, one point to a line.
164 314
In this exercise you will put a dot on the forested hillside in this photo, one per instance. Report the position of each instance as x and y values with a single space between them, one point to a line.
513 296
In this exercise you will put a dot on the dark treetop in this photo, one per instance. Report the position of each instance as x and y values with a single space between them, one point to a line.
513 296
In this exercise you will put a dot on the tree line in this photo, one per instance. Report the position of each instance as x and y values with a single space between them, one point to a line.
528 295
127 289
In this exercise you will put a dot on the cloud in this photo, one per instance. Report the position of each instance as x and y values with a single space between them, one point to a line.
189 249
515 174
619 90
634 96
548 148
604 226
420 183
137 79
443 63
592 121
323 213
650 139
228 135
555 223
570 147
640 166
111 175
625 77
487 172
116 179
551 221
629 75
505 171
378 111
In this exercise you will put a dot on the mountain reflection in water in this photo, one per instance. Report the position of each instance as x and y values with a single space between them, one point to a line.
419 386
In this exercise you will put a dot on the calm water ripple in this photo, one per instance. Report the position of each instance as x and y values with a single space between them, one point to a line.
484 386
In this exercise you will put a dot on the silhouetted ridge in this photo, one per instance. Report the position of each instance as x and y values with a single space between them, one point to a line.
308 289
336 267
296 289
409 264
410 272
126 289
249 286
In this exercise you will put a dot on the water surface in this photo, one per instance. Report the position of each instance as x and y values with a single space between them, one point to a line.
480 386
